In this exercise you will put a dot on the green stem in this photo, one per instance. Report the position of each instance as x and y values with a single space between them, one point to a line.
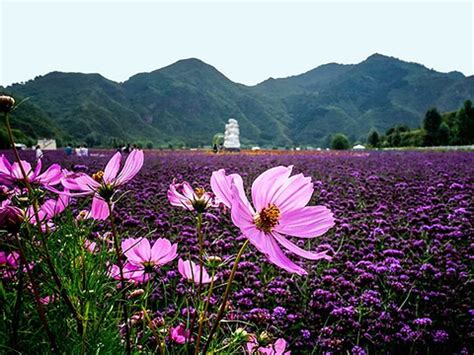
39 305
48 259
201 262
17 309
118 252
204 313
220 314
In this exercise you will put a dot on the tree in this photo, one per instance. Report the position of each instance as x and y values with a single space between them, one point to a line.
340 142
431 125
465 122
149 145
444 134
374 139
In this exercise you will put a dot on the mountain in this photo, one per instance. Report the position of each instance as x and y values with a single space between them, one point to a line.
189 101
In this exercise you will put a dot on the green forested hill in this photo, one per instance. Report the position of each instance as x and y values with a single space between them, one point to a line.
189 101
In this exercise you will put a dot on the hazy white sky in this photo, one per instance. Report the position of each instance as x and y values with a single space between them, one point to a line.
246 41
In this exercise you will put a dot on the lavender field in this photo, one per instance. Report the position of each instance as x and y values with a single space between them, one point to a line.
400 279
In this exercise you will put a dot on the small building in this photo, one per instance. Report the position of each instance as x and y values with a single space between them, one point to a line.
358 147
47 144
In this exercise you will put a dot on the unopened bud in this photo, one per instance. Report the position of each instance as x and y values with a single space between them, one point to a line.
6 103
136 293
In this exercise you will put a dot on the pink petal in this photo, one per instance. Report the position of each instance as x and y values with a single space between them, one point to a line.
268 184
112 168
52 176
242 212
298 251
142 251
307 222
295 193
163 252
132 166
181 199
5 166
38 167
99 209
84 182
16 170
220 185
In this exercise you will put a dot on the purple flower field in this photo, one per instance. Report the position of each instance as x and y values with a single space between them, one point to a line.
401 275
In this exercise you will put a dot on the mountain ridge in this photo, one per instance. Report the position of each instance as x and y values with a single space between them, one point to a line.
187 102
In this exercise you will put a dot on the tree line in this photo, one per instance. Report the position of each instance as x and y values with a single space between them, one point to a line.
453 128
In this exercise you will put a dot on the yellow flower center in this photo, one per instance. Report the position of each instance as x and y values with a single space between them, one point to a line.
98 176
199 192
267 219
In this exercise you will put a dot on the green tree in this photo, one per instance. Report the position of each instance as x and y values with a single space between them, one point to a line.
149 145
444 133
340 142
431 125
465 122
374 139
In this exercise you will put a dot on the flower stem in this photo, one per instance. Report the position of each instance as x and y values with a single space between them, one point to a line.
200 238
220 314
48 260
118 252
16 311
204 313
39 306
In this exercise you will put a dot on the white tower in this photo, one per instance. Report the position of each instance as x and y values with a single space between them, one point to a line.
231 135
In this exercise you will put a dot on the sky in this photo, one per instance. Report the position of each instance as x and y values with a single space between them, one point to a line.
246 41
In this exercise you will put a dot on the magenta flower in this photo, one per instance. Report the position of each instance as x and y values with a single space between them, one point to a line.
279 210
278 348
48 210
11 173
9 263
103 184
11 217
131 273
179 334
183 195
192 272
143 258
139 252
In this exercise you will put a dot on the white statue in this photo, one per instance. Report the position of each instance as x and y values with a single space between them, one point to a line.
231 135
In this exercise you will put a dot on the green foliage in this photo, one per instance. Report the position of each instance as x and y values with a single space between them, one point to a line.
340 142
431 124
374 139
189 101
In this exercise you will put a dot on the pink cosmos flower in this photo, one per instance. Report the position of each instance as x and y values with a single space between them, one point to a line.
278 348
143 258
11 217
183 195
9 263
47 211
139 252
104 184
90 246
191 272
131 273
279 210
179 334
11 173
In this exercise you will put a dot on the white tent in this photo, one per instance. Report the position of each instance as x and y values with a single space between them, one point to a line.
358 147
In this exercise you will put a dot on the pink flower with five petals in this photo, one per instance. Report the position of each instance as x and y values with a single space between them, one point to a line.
279 210
104 184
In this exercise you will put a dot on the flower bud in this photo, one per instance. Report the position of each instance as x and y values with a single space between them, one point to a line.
10 218
241 334
6 103
214 261
136 293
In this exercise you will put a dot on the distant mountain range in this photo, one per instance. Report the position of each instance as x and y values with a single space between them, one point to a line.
189 101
